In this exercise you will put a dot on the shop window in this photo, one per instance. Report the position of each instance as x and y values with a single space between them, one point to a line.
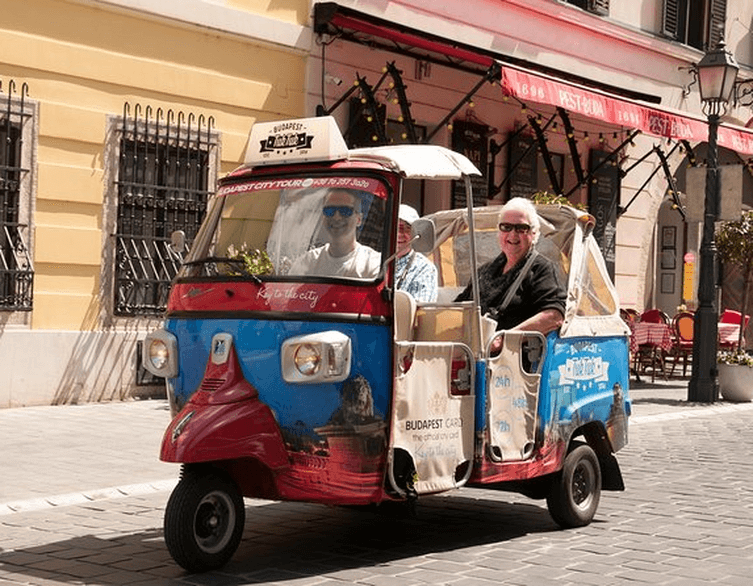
698 23
596 6
16 270
164 180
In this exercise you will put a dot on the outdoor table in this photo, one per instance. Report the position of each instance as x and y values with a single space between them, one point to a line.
728 334
654 334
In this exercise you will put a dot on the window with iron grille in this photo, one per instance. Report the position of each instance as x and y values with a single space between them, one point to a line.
16 270
163 186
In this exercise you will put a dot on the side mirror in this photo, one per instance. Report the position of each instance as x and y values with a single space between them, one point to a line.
422 235
178 241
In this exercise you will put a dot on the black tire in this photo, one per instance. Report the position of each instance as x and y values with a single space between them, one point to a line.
576 489
204 520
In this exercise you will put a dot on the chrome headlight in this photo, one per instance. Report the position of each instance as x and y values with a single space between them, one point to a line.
160 354
322 357
308 359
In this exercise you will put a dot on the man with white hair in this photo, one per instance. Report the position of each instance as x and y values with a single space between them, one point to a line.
414 273
520 288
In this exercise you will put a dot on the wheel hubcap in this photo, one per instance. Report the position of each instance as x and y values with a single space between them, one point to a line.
214 522
582 486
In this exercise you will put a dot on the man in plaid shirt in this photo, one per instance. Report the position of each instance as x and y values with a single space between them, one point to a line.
414 273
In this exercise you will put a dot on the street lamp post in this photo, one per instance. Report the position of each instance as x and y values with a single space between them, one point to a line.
716 80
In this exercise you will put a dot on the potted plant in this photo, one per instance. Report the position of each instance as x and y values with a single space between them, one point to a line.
734 242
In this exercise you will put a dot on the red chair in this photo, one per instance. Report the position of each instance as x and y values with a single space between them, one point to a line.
655 316
730 316
682 326
629 316
652 355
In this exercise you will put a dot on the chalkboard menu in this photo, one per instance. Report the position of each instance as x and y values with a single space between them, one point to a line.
603 197
470 139
522 167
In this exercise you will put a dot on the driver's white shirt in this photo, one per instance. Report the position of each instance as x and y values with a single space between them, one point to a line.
363 262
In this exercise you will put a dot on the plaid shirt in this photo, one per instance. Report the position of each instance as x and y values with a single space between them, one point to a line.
418 276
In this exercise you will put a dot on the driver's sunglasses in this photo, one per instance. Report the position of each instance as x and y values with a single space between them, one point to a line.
519 228
344 211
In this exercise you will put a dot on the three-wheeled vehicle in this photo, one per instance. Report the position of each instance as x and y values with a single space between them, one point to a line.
341 388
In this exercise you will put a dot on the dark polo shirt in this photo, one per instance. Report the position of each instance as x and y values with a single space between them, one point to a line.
540 289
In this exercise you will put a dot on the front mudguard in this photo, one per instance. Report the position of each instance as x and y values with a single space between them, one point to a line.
227 431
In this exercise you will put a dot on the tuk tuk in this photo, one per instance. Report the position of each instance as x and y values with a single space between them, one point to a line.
289 382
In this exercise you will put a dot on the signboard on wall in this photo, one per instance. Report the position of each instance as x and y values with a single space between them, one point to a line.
522 167
603 197
471 139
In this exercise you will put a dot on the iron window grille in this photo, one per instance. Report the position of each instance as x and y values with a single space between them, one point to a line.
162 186
16 269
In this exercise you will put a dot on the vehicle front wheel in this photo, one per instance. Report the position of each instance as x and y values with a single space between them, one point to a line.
576 490
204 520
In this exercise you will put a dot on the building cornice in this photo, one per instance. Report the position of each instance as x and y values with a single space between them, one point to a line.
218 18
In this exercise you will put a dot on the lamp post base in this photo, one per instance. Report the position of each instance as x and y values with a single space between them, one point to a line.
704 380
703 390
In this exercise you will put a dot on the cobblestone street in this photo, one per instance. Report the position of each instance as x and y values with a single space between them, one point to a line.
686 517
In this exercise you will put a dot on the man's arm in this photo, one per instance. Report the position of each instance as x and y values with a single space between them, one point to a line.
545 321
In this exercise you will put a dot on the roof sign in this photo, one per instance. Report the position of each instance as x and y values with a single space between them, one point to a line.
295 141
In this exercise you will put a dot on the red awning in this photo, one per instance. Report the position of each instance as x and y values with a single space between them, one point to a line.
528 86
533 86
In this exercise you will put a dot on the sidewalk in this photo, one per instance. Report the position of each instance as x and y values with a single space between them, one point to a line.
74 453
70 454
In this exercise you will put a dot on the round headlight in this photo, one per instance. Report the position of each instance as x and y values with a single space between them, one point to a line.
308 360
158 353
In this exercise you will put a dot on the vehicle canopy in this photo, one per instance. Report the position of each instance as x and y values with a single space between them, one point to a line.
592 304
274 203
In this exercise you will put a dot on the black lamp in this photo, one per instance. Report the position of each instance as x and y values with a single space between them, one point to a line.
717 73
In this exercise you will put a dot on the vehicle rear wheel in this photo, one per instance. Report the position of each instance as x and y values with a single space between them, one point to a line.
204 520
576 490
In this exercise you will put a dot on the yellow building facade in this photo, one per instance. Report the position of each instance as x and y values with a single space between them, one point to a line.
108 109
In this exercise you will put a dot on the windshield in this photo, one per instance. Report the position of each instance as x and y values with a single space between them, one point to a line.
314 226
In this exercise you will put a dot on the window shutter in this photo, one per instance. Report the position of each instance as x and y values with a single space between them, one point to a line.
717 22
599 7
671 18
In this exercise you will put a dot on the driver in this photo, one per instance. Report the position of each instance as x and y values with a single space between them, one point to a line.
342 255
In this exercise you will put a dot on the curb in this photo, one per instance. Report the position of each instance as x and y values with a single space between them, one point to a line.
89 496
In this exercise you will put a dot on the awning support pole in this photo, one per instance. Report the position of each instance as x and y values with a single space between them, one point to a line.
544 150
691 153
621 210
494 73
604 161
670 179
410 128
371 105
570 134
522 158
495 150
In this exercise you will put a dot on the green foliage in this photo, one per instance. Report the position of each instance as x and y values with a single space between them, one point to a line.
734 242
546 198
255 262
